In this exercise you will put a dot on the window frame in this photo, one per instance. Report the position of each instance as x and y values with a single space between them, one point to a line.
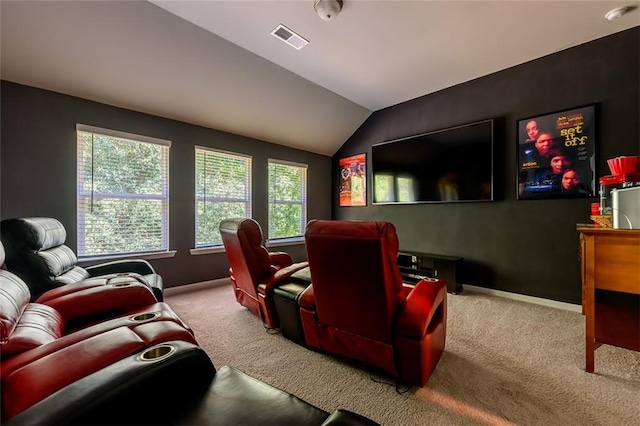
82 195
248 199
273 241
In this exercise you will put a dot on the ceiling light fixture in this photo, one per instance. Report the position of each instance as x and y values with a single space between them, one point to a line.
327 9
616 13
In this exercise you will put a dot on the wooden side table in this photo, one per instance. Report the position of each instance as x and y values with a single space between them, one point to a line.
610 260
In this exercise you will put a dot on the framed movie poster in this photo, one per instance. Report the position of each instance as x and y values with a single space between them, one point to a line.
353 180
556 156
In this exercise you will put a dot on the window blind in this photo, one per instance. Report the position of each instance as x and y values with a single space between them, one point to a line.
223 190
122 192
287 199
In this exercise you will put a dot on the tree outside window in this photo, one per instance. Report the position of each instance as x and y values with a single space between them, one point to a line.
287 199
122 193
223 190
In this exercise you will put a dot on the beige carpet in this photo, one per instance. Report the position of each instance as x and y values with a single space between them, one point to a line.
505 362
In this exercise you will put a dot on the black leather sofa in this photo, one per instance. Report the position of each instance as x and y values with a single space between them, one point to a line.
36 252
235 398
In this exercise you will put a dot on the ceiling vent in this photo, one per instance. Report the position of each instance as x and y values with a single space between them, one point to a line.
292 39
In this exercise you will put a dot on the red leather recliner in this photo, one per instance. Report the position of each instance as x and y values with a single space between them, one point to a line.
70 314
72 332
358 307
253 269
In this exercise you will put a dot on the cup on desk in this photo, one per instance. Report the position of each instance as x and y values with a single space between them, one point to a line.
595 209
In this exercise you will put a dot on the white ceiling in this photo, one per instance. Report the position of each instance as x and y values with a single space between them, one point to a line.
227 72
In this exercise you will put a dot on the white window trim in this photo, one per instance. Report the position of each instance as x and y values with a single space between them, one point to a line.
280 242
146 256
122 135
207 250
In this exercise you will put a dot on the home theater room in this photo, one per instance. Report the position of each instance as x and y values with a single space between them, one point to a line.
319 212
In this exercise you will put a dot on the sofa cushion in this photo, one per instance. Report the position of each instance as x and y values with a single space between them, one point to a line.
39 324
264 404
59 260
73 275
14 297
36 233
24 325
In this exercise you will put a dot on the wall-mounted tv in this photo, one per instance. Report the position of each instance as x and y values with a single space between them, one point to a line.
449 165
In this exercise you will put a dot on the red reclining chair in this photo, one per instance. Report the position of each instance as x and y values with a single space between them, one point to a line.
358 307
73 331
253 269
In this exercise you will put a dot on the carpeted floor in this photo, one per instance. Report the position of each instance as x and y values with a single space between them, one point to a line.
506 362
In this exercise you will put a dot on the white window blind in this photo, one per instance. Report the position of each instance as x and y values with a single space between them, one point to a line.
122 192
223 189
287 199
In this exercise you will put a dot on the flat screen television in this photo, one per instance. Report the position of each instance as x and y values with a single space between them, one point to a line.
449 165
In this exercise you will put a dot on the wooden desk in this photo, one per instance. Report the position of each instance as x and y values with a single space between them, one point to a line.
610 260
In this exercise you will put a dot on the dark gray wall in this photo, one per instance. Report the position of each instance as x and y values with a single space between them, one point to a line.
531 246
38 174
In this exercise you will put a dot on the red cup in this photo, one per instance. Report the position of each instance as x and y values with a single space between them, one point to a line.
595 209
624 165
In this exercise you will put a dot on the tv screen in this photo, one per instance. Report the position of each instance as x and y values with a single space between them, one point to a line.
450 165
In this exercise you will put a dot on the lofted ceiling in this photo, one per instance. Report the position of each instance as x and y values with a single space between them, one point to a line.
215 64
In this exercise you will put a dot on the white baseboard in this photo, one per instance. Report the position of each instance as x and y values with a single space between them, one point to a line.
196 286
514 296
523 298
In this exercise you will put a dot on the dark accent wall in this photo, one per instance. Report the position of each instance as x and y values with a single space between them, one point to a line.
527 247
38 175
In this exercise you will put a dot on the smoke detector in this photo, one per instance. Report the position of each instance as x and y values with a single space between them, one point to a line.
327 9
616 13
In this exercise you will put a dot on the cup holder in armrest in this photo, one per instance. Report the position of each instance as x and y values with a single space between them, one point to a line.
145 317
157 353
121 280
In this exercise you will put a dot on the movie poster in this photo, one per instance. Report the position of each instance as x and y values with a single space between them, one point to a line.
353 181
556 155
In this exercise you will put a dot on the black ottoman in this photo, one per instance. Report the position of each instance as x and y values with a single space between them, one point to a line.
285 298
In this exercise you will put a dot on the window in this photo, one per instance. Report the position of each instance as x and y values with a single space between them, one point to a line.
223 189
287 199
123 193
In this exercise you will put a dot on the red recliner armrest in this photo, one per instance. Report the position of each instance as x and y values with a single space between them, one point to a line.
279 276
159 312
102 301
280 259
37 380
421 305
307 299
70 288
127 391
138 266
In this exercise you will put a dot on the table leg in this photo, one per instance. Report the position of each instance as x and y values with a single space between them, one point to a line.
590 355
588 303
